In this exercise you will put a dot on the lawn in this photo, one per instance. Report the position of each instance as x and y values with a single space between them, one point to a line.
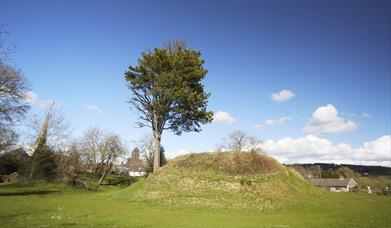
52 205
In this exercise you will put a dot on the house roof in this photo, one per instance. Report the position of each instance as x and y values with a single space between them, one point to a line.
332 182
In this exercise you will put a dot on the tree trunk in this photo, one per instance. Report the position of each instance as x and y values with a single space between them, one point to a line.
104 174
156 155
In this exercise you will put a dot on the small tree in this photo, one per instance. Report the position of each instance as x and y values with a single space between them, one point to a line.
114 149
92 147
58 130
240 141
43 162
237 140
168 93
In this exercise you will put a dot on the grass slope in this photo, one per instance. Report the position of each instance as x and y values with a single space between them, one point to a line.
225 184
69 207
223 180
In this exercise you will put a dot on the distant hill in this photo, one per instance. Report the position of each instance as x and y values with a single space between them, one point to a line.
361 169
377 177
222 180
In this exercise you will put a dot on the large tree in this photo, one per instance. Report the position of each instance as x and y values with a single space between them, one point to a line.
13 88
168 93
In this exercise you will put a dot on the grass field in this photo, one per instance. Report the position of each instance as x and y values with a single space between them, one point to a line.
53 205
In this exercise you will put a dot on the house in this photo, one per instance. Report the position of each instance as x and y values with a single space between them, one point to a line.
135 166
335 184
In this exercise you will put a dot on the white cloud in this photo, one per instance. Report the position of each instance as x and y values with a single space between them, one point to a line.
278 121
258 126
181 151
377 150
326 119
93 108
30 97
366 115
311 149
223 117
282 96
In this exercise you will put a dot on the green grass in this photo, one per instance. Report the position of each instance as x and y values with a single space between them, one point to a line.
203 190
53 205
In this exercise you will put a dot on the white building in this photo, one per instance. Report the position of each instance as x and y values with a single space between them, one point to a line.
335 184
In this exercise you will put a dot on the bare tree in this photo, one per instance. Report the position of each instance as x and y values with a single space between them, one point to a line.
237 140
113 148
7 139
147 147
240 141
13 87
253 144
99 150
92 147
58 131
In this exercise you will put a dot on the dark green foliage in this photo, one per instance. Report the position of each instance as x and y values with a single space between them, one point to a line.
168 93
167 89
163 159
149 161
43 163
14 161
329 174
361 169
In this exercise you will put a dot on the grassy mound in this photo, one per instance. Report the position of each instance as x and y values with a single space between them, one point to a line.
222 180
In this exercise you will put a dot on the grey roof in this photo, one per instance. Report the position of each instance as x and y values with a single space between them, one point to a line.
332 182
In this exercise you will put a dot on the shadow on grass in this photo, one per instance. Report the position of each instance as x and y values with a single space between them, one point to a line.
32 192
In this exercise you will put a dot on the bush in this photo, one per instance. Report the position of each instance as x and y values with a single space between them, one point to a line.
43 163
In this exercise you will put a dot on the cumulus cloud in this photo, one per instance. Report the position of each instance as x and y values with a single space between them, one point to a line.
223 117
326 119
282 96
311 149
378 150
278 121
30 97
93 108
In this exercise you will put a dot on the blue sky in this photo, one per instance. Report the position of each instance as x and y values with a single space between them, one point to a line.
324 52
